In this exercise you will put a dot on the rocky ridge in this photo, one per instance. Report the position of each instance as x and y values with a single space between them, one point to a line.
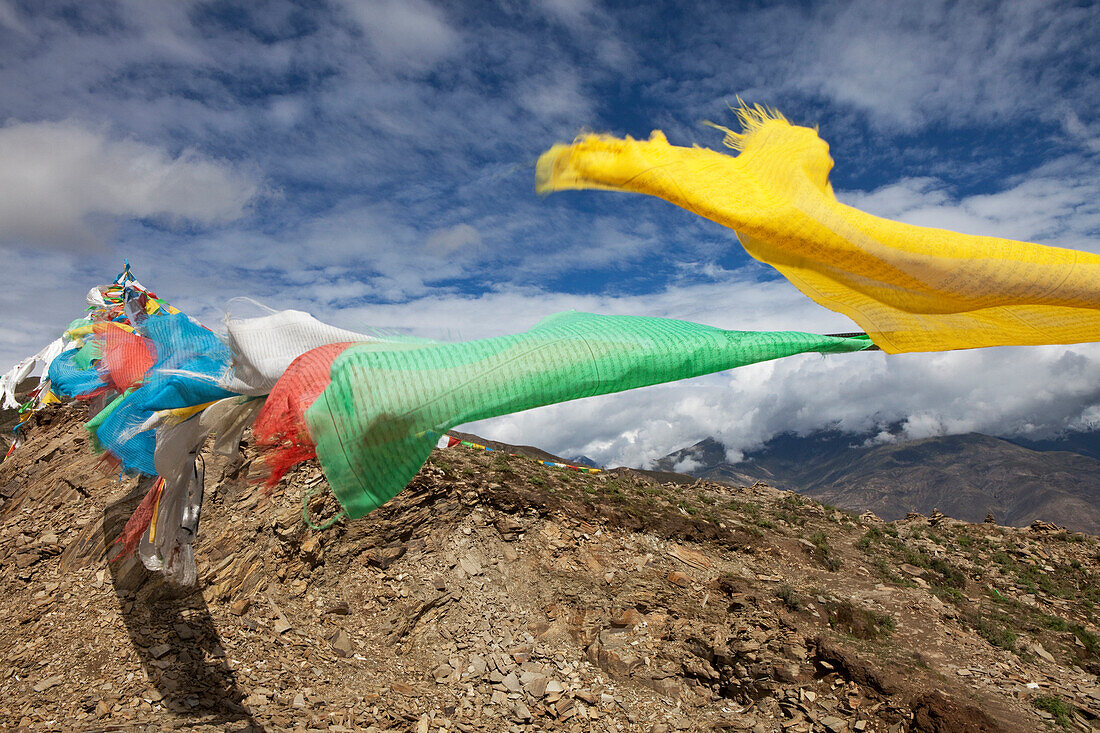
498 594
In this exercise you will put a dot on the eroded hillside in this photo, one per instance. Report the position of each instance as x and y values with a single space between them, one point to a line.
499 594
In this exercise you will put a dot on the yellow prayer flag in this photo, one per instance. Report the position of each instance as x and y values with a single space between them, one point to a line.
910 288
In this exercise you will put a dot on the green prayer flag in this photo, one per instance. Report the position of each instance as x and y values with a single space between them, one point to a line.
377 421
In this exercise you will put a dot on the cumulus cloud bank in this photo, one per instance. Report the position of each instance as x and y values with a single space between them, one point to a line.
64 185
1032 392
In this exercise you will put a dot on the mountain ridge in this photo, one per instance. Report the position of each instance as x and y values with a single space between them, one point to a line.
967 476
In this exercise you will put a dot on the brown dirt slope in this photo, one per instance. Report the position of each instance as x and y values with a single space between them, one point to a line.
499 594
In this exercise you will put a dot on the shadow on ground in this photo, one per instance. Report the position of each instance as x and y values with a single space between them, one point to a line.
174 635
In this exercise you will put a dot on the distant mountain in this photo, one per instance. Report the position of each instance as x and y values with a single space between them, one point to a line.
584 461
964 476
1087 444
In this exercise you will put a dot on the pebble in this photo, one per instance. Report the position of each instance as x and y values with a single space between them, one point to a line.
679 578
47 683
158 651
341 643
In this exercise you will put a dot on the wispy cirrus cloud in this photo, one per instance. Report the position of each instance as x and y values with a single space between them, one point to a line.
907 64
406 35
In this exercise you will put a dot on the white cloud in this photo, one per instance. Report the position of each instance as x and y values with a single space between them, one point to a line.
410 34
569 12
9 17
63 184
461 238
687 464
1087 135
734 301
909 64
559 95
1057 204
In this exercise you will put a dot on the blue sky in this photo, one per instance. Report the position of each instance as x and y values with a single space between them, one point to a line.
372 162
